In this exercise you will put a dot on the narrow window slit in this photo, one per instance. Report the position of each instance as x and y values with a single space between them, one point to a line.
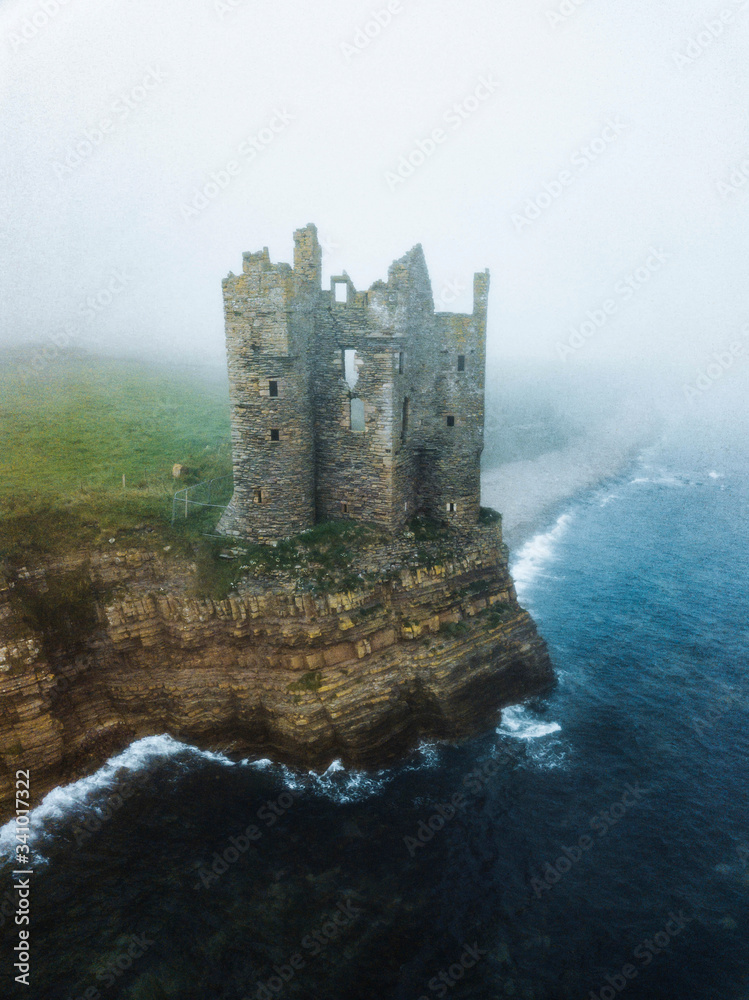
357 415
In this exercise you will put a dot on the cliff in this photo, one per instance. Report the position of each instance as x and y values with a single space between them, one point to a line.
103 647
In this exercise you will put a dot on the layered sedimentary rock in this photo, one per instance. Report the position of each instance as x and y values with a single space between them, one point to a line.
103 648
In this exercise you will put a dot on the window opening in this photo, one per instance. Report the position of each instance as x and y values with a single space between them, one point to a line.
350 367
357 415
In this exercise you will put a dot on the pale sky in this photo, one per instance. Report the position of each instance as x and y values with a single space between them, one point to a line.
591 110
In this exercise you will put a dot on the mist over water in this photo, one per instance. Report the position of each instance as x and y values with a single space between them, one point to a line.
551 436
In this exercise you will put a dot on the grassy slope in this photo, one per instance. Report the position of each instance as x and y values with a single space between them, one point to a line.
68 435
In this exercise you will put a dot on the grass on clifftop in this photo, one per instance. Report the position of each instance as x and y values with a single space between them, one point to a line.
69 434
327 557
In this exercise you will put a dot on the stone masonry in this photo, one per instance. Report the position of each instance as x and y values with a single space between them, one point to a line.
348 404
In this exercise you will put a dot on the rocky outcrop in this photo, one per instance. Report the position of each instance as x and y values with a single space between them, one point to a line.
106 647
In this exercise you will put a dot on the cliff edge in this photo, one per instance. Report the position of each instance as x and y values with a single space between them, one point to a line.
103 647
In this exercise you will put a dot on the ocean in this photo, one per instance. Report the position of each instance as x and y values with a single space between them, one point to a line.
594 843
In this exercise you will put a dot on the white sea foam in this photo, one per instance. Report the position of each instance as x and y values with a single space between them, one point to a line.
91 795
520 722
427 756
82 795
716 475
660 480
337 783
341 784
537 553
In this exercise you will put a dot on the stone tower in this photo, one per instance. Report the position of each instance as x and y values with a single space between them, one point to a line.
348 404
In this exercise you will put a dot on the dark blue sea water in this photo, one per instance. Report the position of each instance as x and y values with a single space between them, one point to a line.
595 844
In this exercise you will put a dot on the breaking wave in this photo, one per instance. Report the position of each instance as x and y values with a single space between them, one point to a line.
535 556
92 793
522 723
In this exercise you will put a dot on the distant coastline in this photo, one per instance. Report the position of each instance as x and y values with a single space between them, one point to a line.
530 492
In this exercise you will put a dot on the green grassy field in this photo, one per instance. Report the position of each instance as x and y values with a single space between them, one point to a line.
68 437
70 434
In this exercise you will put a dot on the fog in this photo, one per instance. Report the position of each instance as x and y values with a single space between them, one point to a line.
594 156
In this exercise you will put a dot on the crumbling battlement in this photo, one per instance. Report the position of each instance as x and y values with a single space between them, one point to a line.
349 404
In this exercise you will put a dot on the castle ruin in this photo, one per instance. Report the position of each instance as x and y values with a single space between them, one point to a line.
348 404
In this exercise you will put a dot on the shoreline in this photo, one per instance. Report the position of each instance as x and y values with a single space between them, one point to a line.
520 533
533 493
429 650
538 520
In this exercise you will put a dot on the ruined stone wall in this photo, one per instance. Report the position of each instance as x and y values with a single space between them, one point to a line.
269 322
410 280
371 474
308 255
420 384
455 486
354 468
